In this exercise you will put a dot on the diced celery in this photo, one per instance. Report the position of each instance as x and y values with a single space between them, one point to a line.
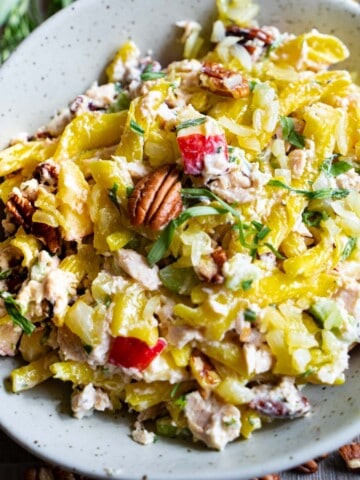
326 313
178 280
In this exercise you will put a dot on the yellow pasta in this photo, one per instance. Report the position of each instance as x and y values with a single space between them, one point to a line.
189 241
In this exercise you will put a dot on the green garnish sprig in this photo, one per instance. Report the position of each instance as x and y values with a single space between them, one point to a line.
160 247
333 168
149 74
135 127
321 194
14 311
290 134
21 19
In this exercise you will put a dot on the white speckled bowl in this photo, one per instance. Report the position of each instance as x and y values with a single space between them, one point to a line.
57 62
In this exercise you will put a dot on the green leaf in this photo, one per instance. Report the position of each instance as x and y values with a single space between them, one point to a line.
122 102
135 127
246 284
4 274
151 76
249 315
252 85
113 194
14 311
313 218
323 193
191 123
162 244
205 193
290 134
276 252
333 169
129 191
349 248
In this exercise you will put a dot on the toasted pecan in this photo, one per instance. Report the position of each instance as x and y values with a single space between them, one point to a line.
308 467
251 33
22 211
351 455
156 198
222 81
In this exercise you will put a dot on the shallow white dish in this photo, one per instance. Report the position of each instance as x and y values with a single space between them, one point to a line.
60 60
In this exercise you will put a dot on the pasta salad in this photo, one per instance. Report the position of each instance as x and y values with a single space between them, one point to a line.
182 240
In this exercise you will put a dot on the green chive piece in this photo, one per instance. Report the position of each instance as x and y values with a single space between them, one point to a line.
349 248
14 311
323 193
249 315
113 194
151 76
135 127
191 123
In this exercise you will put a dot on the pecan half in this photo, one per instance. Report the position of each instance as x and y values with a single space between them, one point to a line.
221 81
247 34
351 455
22 211
308 467
156 199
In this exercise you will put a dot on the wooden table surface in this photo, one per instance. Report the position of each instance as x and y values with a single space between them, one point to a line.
14 461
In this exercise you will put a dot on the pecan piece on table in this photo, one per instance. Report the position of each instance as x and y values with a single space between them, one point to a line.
22 211
222 81
351 455
308 467
156 198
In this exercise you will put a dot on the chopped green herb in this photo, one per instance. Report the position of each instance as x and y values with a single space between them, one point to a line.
323 193
205 193
276 252
308 372
290 134
246 284
313 218
230 421
135 127
122 102
333 169
14 311
163 243
166 427
252 85
88 348
4 274
262 230
113 194
349 248
191 123
249 315
180 402
151 76
174 390
129 191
